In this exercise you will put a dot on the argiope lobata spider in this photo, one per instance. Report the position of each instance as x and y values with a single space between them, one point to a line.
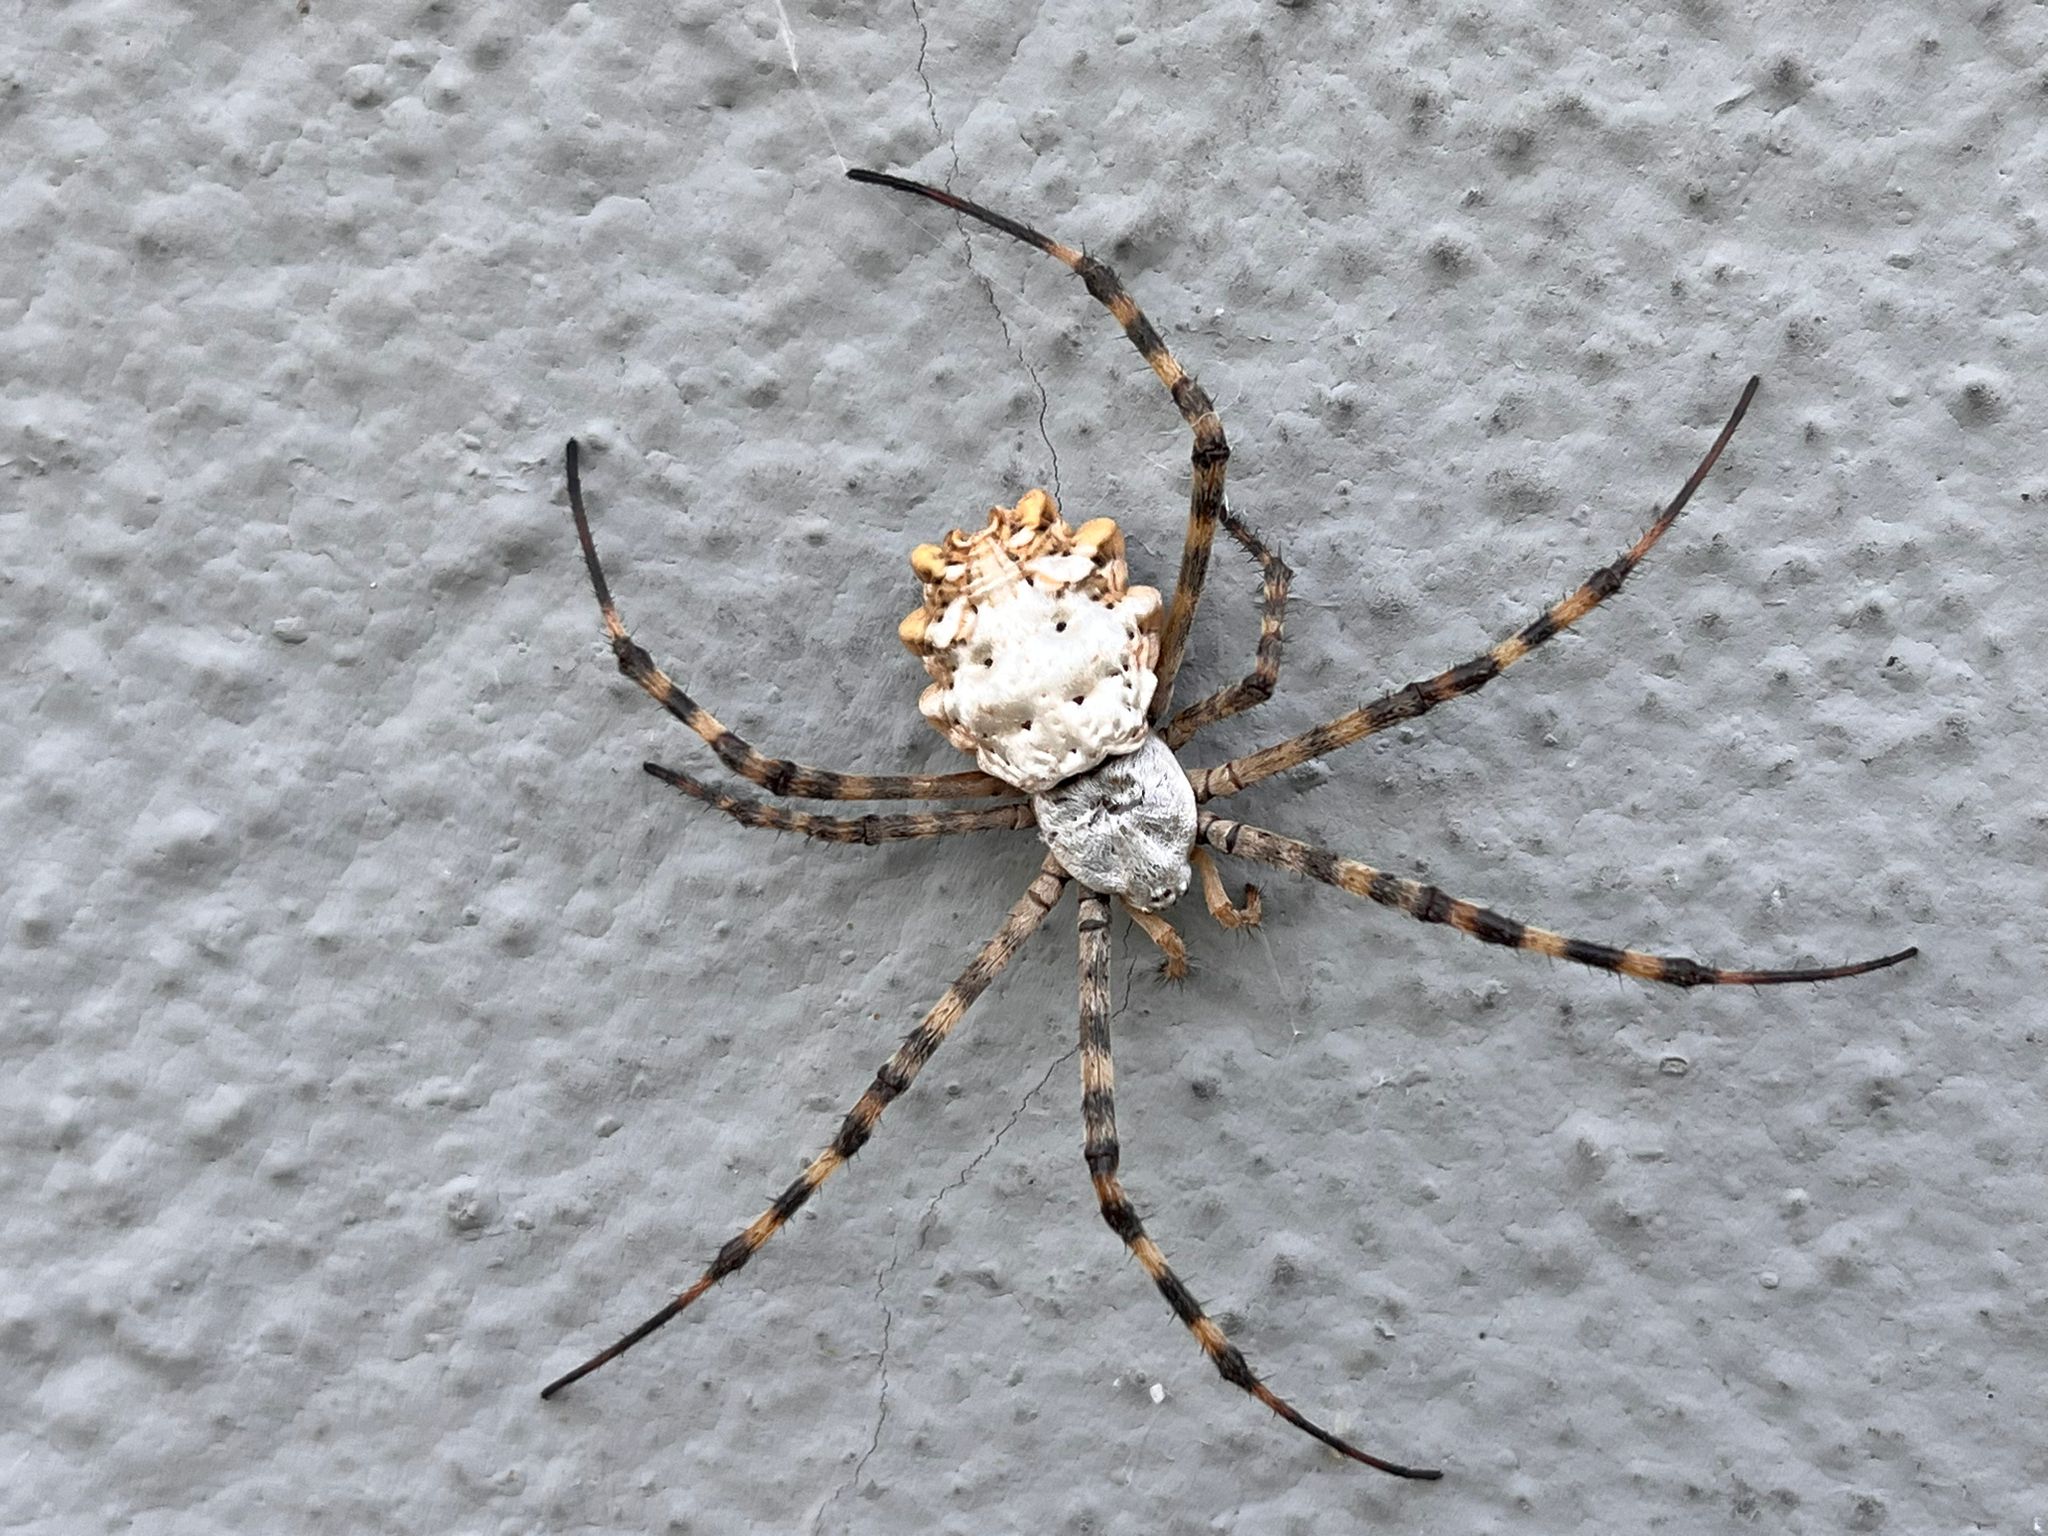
1057 675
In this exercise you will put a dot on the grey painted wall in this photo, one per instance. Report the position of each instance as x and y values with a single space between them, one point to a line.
381 1040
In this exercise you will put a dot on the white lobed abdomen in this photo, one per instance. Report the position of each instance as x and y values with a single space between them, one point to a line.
1040 650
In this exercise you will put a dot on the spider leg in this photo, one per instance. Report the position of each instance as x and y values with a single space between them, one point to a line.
1211 452
1427 904
1098 1115
869 829
896 1074
1162 933
1257 685
1217 899
1419 698
777 775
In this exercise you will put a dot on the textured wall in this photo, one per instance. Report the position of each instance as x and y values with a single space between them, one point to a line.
382 1040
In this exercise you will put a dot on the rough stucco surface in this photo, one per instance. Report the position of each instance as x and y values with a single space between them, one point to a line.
380 1040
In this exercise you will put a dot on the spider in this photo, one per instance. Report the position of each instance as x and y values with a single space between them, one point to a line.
1058 675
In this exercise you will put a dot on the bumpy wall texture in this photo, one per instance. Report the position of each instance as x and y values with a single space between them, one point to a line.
380 1039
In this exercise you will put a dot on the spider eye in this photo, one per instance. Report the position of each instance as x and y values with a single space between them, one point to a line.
1061 627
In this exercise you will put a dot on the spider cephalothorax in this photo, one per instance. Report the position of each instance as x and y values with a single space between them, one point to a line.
1125 827
1055 673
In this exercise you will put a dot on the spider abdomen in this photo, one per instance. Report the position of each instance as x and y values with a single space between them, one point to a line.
1040 650
1125 827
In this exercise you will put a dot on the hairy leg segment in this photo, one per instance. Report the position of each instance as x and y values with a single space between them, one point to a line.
1211 453
1427 904
896 1075
777 775
1103 1154
870 829
1256 686
1468 677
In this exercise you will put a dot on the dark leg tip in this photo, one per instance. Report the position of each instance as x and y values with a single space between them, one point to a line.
554 1388
1883 962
